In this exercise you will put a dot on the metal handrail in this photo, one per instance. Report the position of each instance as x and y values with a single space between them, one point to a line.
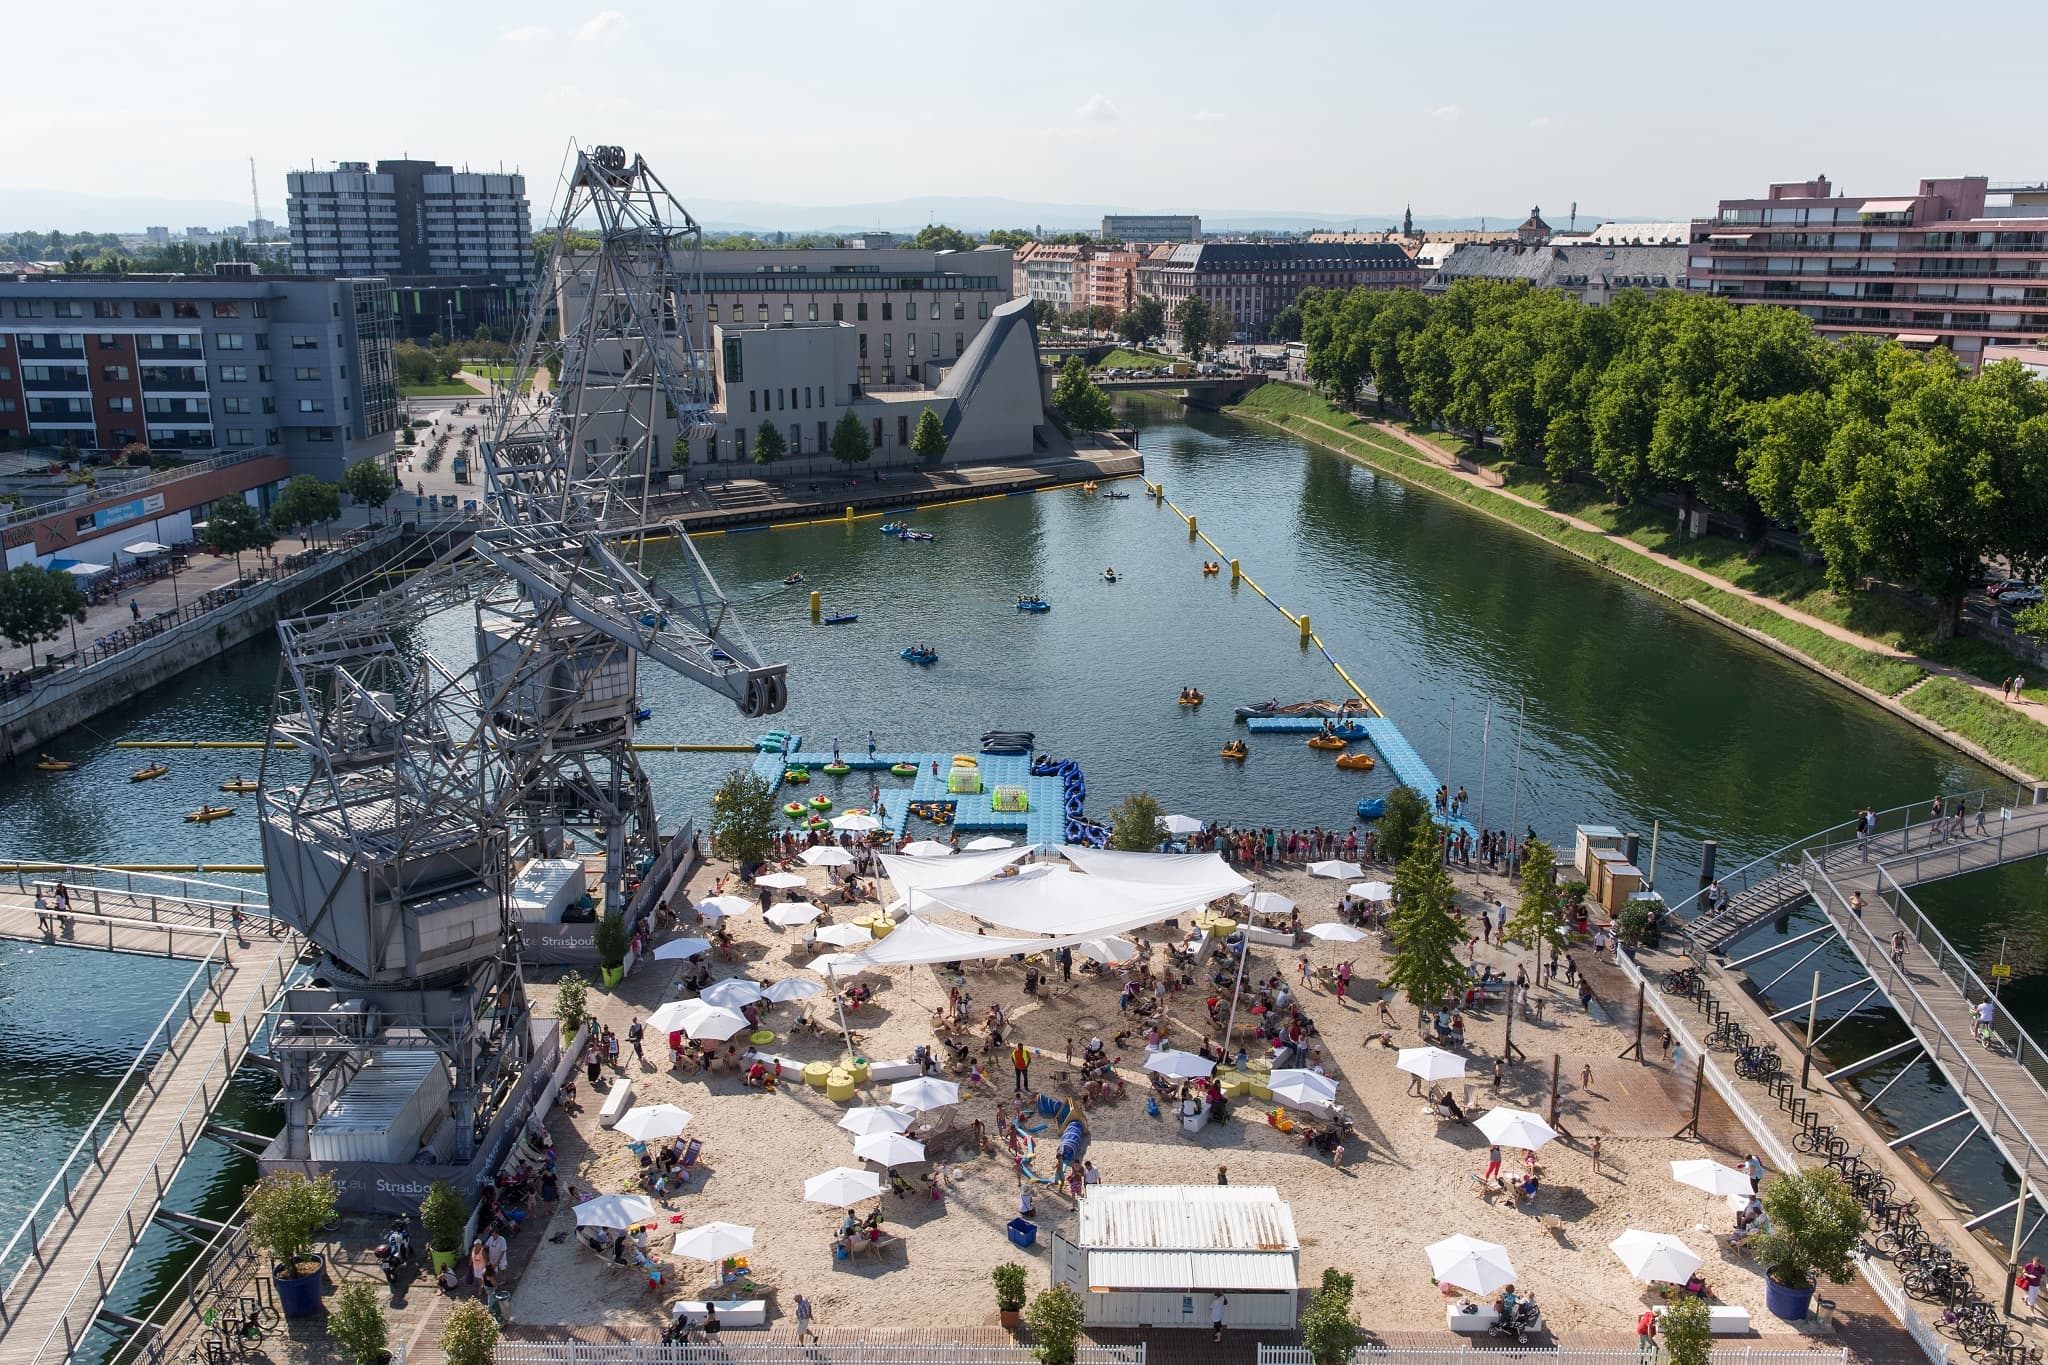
230 1244
77 875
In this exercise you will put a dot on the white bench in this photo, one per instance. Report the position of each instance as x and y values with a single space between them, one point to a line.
1278 938
616 1103
1478 1321
1724 1319
893 1071
731 1312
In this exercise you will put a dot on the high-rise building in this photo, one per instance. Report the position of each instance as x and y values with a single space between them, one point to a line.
1153 227
410 218
1961 263
158 236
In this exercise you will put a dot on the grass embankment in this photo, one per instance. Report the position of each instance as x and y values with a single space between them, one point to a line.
497 374
1999 729
452 389
1122 358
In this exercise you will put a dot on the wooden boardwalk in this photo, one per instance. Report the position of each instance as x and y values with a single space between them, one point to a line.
81 1234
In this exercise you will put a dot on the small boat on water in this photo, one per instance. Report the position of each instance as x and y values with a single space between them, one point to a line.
1327 742
240 786
150 773
891 528
1210 570
795 578
842 618
1110 575
1236 750
921 655
55 765
1372 808
720 655
1361 763
1033 604
208 814
643 713
907 536
1190 696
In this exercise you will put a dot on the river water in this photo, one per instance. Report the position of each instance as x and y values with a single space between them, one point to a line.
1630 711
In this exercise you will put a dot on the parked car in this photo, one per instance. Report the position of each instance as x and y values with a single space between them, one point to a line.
2019 597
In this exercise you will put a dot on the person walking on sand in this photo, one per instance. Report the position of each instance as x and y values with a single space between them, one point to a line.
1586 1076
803 1304
1594 1148
1020 1058
1492 1162
2029 1279
634 1033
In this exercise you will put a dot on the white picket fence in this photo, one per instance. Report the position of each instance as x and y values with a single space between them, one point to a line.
1512 1355
729 1351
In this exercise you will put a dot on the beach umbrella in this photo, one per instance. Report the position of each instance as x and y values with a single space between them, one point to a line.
888 1149
1430 1063
988 842
1297 1086
701 1019
844 935
1654 1256
1180 824
669 1017
872 1118
1178 1065
1109 951
924 1094
1712 1177
718 907
791 988
928 848
842 1187
789 914
1470 1264
681 947
825 964
1515 1128
1267 903
1335 933
1371 891
85 570
145 547
781 881
828 855
856 824
731 993
616 1211
1335 867
714 1241
646 1122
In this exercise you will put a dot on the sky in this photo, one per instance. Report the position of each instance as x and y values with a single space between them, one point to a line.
1631 110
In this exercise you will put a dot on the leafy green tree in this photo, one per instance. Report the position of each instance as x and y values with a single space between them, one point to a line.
357 1321
679 454
1102 318
470 1334
1816 1225
1286 324
1009 237
928 438
743 817
1538 922
572 1008
36 604
1044 314
1427 935
1147 319
1076 397
939 237
1405 817
1688 1331
1194 317
851 444
306 502
1134 823
1222 328
368 482
234 526
768 444
285 1211
1055 1320
1328 1331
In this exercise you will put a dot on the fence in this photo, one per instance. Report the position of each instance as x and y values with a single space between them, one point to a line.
727 1351
1374 1354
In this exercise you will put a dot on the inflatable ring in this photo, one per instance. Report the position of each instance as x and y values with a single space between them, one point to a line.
837 769
821 802
966 761
903 769
794 810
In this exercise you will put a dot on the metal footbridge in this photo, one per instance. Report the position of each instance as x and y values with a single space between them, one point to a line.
66 1255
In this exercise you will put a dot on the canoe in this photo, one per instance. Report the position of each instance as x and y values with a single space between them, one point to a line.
843 618
239 786
55 765
208 814
149 774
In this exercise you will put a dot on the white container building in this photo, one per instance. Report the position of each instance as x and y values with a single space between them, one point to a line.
1155 1256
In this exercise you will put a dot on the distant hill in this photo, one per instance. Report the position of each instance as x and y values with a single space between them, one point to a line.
25 210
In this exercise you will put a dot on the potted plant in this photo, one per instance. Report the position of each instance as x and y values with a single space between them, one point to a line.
470 1336
1009 1278
285 1210
1688 1332
1328 1330
443 1217
572 1003
1815 1226
610 937
1055 1318
357 1322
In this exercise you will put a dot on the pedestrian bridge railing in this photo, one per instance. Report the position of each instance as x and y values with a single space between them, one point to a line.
1374 1353
835 1349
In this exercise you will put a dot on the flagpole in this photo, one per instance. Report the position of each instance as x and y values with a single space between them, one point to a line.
1450 751
1485 736
1515 794
1235 990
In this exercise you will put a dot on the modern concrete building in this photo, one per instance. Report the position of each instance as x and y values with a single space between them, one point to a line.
1152 227
230 362
1591 273
1255 280
409 218
1961 263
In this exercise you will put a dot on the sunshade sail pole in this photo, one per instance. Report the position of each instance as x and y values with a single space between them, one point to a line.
1236 989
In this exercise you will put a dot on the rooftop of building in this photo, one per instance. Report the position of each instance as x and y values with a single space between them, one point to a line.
1226 255
1556 263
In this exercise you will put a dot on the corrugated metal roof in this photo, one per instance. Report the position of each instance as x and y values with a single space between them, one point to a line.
1186 1218
373 1100
1185 1270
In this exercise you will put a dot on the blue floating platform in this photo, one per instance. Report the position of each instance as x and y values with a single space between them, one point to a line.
1044 823
1303 725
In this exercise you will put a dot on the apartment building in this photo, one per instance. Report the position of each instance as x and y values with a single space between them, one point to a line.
1962 263
1593 273
1112 275
1255 280
409 218
201 364
1152 227
1054 273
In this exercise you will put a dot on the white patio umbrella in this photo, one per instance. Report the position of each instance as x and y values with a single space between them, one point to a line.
1178 1065
1515 1128
731 993
789 914
842 1187
681 947
85 570
1109 951
876 1118
888 1149
145 547
856 824
825 964
844 935
924 1094
1654 1256
1267 903
1180 824
1430 1063
646 1122
988 842
1470 1264
701 1020
713 1241
791 988
828 855
1335 933
928 848
1712 1177
616 1211
669 1017
1371 891
781 881
1296 1085
1335 867
718 907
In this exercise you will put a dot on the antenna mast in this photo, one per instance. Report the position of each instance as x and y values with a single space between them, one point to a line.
255 198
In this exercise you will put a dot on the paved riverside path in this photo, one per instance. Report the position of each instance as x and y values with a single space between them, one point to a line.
88 1226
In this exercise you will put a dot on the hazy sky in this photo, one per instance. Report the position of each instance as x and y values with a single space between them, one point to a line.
1637 109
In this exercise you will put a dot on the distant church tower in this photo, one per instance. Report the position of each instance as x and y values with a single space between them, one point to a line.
1408 221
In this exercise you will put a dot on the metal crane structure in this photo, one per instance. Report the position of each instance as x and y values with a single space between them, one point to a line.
430 781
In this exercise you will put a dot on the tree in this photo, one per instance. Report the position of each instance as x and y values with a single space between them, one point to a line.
135 453
1055 1320
679 453
1538 922
768 444
1427 936
1688 1331
368 482
1044 313
1222 328
1815 1227
1134 823
1194 318
1286 324
851 444
1101 318
285 1210
1405 817
470 1335
1328 1331
357 1321
939 237
611 940
441 1213
1146 320
928 438
1009 237
35 605
306 502
1076 398
572 1003
743 816
1009 1282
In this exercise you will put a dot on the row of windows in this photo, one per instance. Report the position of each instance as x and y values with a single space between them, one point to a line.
736 446
139 308
860 311
799 283
777 397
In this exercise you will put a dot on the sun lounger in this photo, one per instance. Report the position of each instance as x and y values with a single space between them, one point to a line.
616 1103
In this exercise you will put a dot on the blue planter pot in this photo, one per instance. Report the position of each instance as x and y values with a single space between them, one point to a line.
299 1296
1789 1304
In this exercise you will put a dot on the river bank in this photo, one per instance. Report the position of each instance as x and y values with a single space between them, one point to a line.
1940 699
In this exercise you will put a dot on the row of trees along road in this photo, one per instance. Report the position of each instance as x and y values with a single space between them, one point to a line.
1891 463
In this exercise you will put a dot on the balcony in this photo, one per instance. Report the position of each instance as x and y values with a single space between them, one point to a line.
29 351
173 381
59 383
